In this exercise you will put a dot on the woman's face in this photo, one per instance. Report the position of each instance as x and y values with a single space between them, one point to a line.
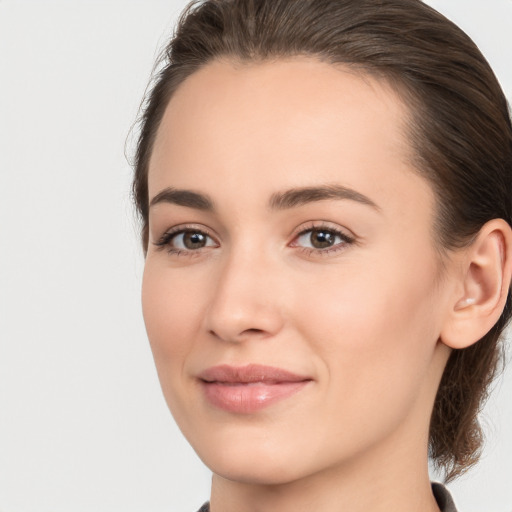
288 230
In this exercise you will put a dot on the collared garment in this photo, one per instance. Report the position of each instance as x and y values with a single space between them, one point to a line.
441 493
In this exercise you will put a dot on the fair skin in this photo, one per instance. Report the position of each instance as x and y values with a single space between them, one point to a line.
344 289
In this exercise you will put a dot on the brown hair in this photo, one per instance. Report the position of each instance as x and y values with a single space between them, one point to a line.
460 132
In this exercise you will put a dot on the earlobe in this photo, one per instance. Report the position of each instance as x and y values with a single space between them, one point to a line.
485 284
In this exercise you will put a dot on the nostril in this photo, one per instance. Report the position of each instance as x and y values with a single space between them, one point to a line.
245 334
253 331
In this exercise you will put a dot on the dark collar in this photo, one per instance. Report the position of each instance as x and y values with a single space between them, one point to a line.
443 497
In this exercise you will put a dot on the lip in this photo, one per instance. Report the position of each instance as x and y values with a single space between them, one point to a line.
248 389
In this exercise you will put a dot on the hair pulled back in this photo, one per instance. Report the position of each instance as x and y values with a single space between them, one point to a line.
460 131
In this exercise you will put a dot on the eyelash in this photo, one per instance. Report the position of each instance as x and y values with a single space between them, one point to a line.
346 240
166 239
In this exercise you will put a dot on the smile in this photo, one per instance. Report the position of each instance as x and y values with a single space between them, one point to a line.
248 389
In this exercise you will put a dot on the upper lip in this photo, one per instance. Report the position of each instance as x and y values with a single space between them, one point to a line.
249 373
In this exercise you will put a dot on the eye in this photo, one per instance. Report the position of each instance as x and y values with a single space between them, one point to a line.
185 240
191 240
322 239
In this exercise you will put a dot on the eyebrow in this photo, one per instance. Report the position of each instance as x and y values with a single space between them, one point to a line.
181 197
300 196
292 198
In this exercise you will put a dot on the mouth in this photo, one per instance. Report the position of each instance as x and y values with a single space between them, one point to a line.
248 389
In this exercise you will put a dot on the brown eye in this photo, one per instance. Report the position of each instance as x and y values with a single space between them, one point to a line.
186 240
320 238
194 239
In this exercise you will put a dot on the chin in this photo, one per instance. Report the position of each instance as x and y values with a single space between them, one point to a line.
257 459
262 471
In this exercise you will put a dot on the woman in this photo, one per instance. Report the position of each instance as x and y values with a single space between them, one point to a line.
325 195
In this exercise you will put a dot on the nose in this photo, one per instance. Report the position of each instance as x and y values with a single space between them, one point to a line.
245 302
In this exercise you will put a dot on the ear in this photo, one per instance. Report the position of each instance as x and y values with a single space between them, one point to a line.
482 290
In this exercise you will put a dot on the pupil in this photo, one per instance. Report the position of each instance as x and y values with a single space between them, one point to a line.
194 240
322 239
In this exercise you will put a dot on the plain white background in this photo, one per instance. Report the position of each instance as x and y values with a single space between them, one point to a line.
83 425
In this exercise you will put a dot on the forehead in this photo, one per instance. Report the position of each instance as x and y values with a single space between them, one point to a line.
262 126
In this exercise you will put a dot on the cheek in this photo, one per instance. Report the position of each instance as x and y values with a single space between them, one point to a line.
366 304
375 327
170 313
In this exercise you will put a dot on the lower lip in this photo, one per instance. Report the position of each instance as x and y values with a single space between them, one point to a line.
249 398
